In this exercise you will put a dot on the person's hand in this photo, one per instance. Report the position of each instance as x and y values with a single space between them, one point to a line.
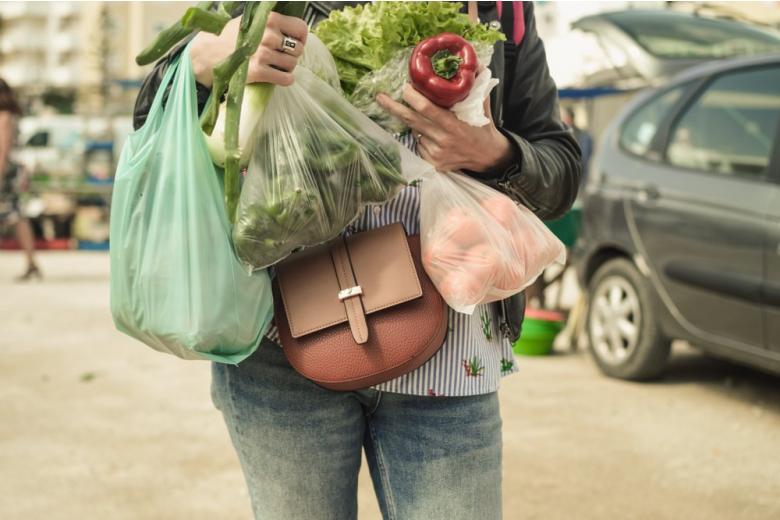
267 65
445 141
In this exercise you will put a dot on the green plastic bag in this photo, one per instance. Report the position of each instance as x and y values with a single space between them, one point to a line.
176 283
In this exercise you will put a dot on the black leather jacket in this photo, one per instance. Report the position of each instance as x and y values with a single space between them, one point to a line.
546 172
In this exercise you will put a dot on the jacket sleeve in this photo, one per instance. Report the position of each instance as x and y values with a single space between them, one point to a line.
548 166
143 103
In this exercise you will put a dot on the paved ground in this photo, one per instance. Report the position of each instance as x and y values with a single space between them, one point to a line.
95 426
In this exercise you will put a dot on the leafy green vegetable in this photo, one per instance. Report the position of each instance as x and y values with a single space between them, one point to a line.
246 42
365 37
256 96
301 199
209 21
316 58
168 38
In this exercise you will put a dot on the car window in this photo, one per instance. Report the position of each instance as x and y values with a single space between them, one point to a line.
730 129
639 129
678 36
39 139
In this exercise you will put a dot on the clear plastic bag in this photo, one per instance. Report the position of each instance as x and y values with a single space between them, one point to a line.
479 246
176 283
317 58
316 162
390 79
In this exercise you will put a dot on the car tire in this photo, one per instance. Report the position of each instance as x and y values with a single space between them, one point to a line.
623 333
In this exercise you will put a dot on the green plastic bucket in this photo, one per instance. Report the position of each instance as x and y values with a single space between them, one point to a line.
539 330
567 227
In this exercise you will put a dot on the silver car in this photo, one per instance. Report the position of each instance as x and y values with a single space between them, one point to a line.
681 223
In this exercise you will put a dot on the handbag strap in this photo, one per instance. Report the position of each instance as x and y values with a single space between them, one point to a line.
350 293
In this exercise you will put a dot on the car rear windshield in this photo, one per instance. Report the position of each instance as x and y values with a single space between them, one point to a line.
679 36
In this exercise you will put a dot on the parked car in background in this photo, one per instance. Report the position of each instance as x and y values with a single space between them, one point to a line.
680 236
646 46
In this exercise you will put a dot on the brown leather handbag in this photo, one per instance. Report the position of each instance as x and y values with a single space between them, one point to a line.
359 311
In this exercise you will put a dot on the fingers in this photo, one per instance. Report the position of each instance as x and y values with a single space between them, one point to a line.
288 26
267 65
272 40
412 119
423 148
271 65
271 72
435 155
424 106
209 49
275 59
262 73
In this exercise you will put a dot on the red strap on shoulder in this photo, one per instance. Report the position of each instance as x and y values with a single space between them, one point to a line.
518 29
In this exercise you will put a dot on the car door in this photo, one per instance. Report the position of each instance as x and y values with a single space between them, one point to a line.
699 213
772 258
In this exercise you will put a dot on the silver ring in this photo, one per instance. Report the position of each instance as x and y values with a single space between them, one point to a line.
417 137
289 45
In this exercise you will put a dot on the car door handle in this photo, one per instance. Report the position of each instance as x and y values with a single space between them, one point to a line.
648 193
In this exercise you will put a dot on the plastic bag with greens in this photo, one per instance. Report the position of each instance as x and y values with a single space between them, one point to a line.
176 283
365 37
316 162
316 58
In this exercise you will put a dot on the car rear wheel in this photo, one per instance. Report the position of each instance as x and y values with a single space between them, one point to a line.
623 333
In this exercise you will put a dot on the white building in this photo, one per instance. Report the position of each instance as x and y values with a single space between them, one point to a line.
39 45
79 50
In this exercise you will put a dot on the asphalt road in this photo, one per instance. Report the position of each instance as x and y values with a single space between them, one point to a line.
94 425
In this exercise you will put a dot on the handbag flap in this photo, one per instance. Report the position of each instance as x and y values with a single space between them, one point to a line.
382 266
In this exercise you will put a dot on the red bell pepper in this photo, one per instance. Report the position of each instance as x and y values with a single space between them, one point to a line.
443 68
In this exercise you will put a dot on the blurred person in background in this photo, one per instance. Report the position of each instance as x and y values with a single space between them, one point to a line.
12 181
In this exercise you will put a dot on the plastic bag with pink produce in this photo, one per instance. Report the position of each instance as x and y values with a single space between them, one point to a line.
478 246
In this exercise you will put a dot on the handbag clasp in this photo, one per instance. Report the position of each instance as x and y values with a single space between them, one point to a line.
350 293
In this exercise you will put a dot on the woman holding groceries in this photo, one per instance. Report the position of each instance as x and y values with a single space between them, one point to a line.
432 437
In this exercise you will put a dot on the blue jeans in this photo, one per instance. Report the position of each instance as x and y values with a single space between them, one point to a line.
300 446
